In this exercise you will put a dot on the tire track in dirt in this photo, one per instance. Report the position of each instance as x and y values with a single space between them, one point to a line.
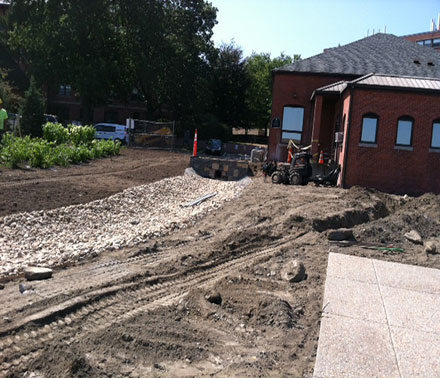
124 302
90 278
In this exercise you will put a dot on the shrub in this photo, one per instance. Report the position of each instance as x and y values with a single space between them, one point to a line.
81 134
43 153
32 110
55 132
13 150
39 154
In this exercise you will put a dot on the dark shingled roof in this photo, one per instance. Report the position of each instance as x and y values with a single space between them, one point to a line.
379 53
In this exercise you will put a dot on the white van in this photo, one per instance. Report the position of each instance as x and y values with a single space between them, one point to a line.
111 131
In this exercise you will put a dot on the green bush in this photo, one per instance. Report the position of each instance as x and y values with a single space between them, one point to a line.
44 153
81 134
55 132
40 154
14 150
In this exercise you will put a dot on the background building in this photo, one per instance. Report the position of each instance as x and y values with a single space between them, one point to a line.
319 101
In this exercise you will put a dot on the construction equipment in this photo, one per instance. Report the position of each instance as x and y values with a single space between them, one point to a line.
329 179
298 172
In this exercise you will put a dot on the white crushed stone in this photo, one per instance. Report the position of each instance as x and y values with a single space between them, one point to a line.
54 237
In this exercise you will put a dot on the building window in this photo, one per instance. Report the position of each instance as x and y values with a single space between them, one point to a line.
65 90
426 42
293 120
369 128
404 131
435 141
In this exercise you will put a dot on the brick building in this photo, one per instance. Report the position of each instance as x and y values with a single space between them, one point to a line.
372 106
429 39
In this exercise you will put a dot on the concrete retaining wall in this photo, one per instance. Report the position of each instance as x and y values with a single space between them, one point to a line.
223 169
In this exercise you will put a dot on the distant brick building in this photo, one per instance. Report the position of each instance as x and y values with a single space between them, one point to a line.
429 39
372 106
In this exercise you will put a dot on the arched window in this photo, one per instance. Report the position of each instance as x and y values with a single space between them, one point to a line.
293 121
370 123
435 140
404 131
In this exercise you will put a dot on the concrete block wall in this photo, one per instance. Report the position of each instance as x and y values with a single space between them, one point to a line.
228 170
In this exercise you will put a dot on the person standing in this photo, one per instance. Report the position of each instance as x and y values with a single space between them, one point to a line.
3 118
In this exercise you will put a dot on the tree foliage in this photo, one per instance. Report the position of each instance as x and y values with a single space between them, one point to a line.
259 95
32 110
163 49
11 100
231 81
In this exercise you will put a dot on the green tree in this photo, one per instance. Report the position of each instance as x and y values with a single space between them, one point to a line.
11 100
168 44
259 94
32 110
72 42
230 84
106 48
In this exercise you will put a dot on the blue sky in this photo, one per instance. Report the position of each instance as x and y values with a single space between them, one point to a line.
306 27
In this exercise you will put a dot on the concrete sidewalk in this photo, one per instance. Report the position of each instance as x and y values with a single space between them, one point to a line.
380 319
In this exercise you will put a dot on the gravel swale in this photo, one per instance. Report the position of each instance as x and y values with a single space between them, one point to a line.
53 237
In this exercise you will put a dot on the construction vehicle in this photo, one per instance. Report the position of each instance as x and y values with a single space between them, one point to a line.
330 179
298 172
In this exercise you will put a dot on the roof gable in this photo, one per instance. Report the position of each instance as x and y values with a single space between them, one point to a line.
379 53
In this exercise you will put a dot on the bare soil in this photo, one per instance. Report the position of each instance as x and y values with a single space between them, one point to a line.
37 189
208 300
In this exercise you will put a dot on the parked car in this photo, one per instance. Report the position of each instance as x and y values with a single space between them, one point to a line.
111 131
51 118
214 147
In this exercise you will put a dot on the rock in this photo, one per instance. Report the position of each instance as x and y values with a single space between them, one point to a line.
2 286
340 235
414 237
214 297
430 248
127 338
22 288
37 273
294 271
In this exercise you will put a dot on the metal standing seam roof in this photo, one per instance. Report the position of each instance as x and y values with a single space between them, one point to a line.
400 82
380 53
377 80
336 87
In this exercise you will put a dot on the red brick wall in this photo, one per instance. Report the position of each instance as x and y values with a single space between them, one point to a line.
384 167
345 120
423 36
293 89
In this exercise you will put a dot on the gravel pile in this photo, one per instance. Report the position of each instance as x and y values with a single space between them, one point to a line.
54 237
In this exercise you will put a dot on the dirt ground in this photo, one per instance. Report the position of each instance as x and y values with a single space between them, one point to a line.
37 189
209 300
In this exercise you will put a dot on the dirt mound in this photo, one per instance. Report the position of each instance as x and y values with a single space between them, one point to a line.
62 362
273 312
420 214
240 301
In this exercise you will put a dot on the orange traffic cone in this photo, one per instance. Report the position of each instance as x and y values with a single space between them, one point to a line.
289 155
195 144
321 157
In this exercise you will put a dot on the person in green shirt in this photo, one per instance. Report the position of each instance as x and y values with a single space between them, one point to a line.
3 118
